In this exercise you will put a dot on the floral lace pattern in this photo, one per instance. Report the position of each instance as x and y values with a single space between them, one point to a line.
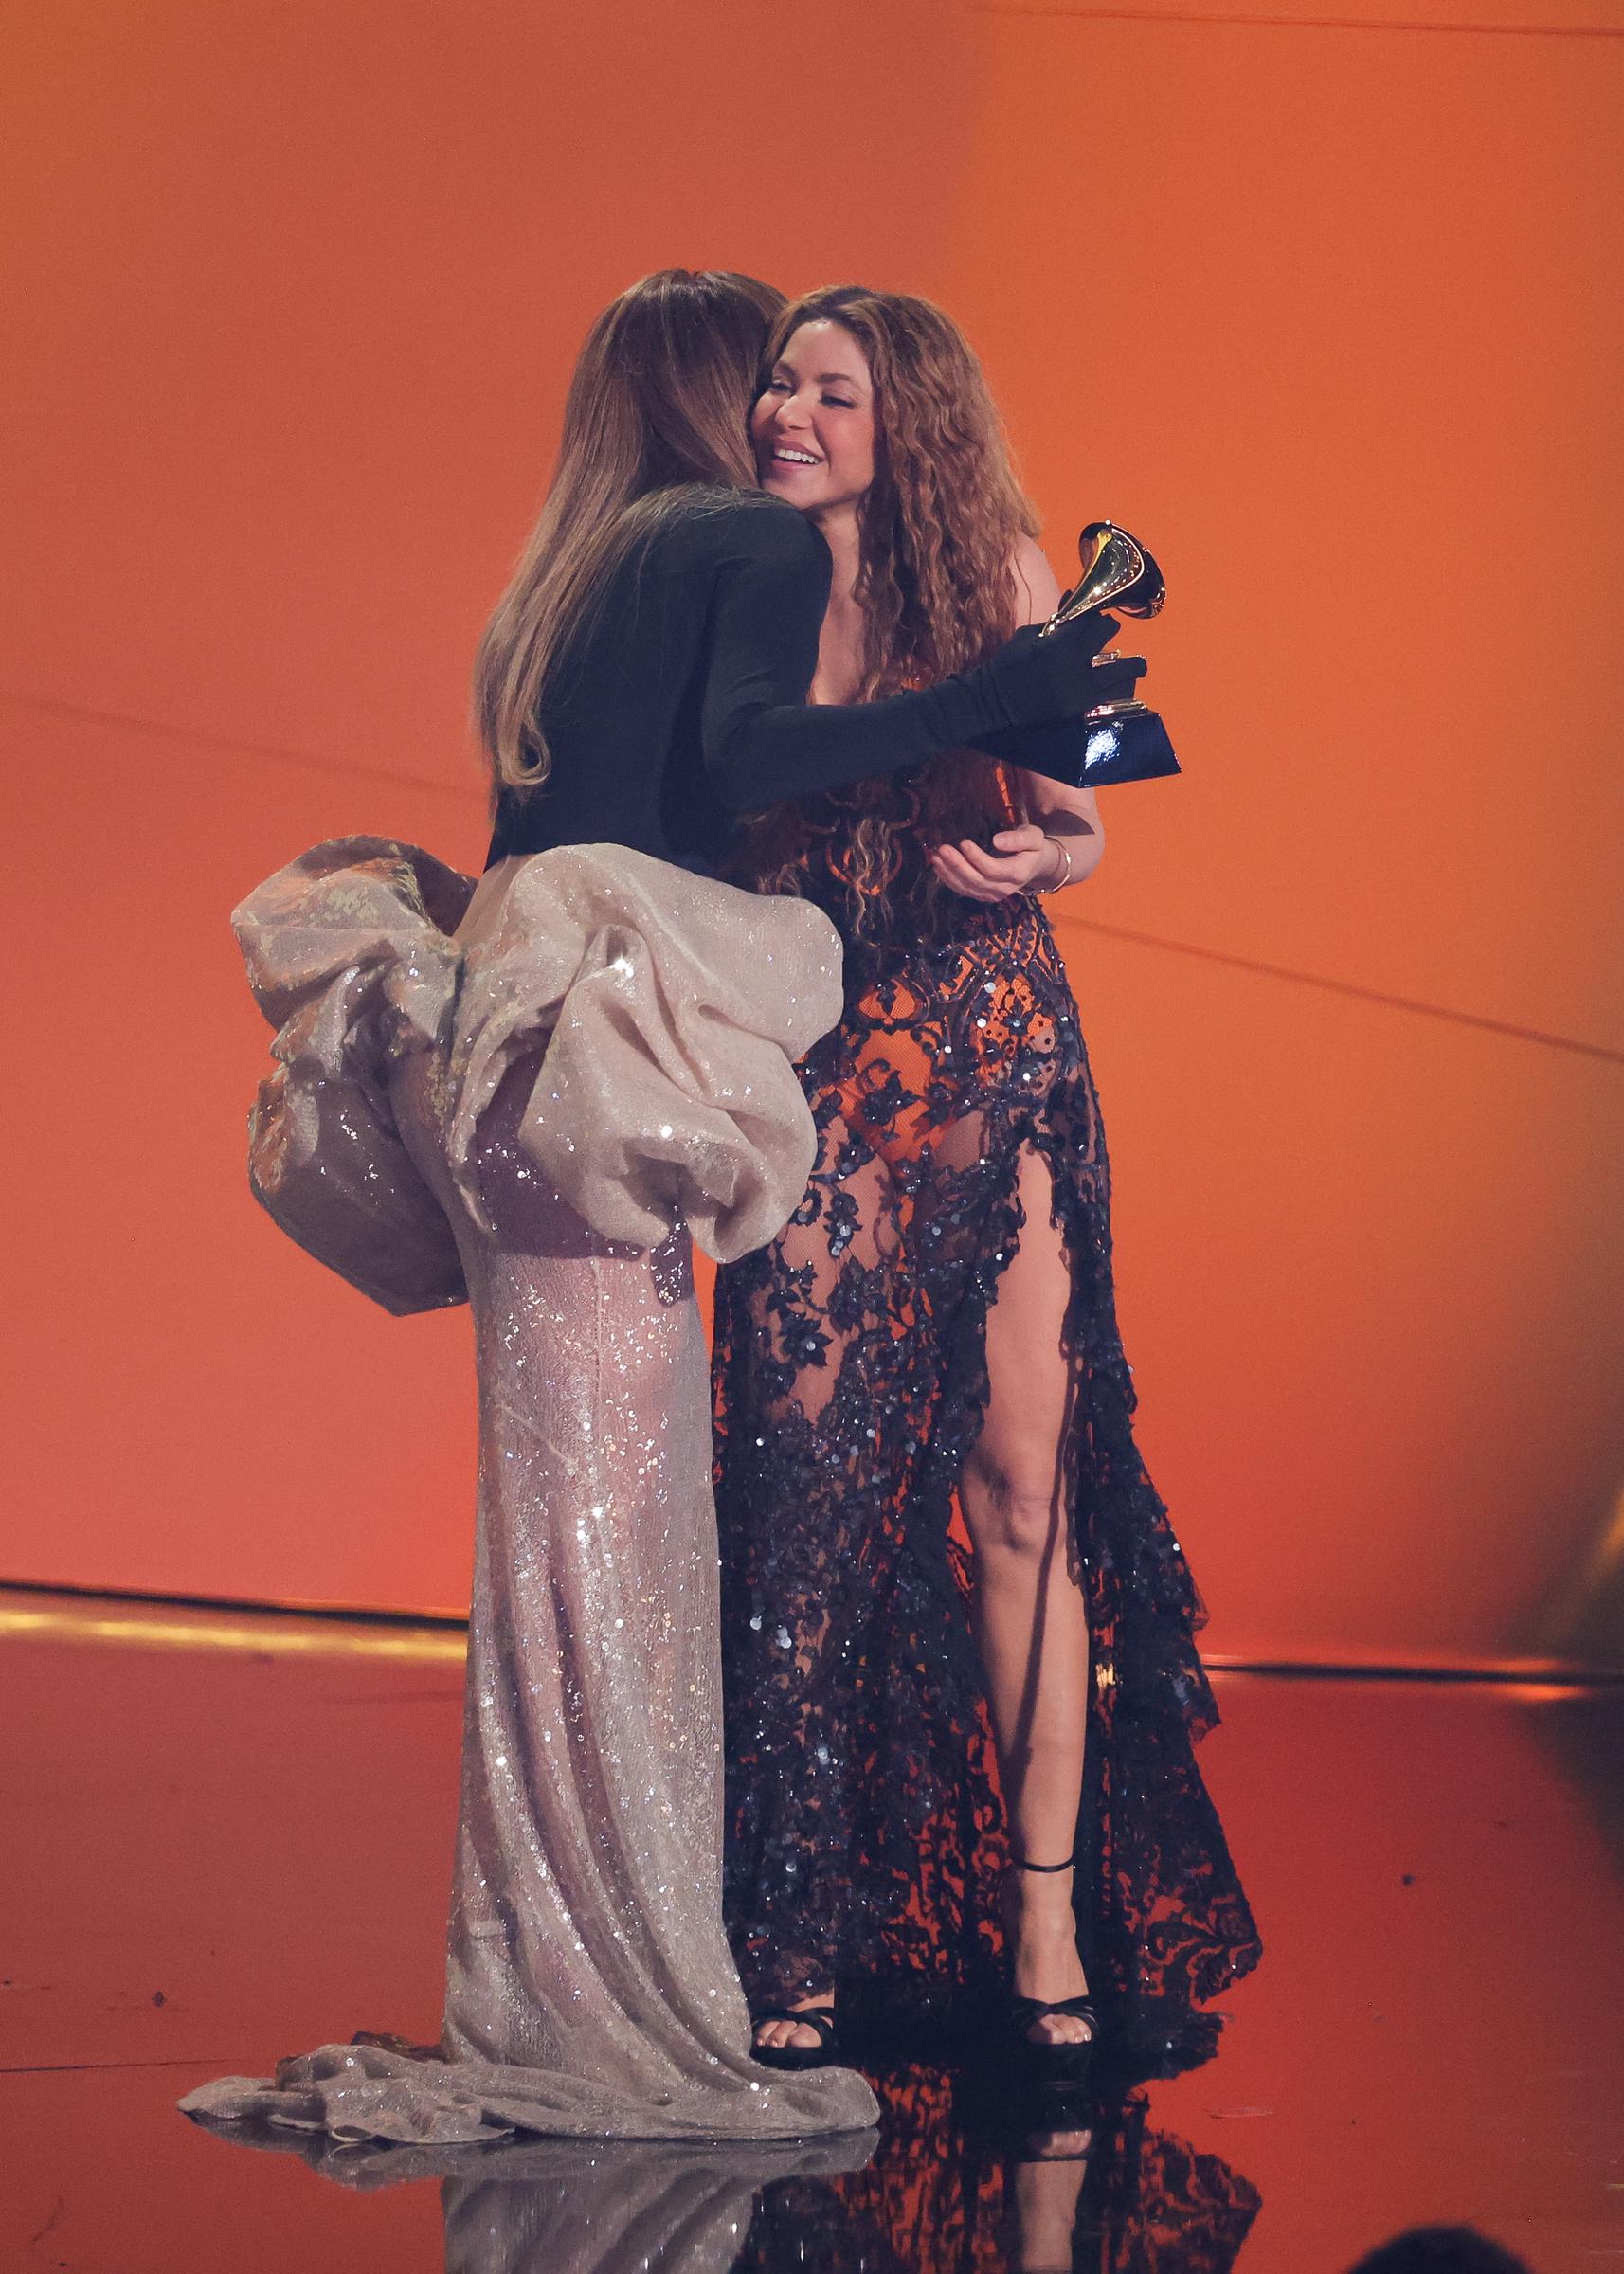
864 1820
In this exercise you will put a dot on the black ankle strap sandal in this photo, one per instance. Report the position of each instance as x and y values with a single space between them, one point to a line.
1062 2067
818 2018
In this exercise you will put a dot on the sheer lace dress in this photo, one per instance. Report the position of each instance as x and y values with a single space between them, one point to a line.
865 1825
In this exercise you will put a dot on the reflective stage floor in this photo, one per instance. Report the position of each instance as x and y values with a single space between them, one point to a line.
227 1837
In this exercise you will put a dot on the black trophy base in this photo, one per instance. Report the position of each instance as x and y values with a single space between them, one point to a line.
1123 741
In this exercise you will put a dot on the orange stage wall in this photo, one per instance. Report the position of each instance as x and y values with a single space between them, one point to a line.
1326 306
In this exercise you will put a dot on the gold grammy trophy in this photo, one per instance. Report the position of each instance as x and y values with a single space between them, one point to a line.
1122 740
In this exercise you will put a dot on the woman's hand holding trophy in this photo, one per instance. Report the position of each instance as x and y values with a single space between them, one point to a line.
1121 739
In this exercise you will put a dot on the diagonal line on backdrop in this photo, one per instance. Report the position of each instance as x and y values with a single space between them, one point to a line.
1082 14
79 2068
204 739
1142 939
1345 987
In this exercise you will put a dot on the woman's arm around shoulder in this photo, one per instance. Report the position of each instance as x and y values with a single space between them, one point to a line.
765 742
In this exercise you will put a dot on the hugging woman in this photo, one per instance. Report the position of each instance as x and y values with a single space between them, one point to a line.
960 1670
528 1093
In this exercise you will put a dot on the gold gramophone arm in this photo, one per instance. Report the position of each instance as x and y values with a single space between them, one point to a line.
1116 572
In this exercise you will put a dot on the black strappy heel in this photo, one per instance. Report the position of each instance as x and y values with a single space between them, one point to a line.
818 2018
1062 2067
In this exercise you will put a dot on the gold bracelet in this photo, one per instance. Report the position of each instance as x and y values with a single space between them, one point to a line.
1065 877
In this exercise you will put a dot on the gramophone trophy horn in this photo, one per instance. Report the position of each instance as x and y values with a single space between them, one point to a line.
1122 741
1118 573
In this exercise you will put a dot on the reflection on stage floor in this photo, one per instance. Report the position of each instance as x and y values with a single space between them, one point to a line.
229 1836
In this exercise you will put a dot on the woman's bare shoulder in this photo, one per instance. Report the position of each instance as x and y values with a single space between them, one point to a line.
1036 591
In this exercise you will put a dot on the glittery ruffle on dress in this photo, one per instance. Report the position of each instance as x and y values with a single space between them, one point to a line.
527 1114
670 1007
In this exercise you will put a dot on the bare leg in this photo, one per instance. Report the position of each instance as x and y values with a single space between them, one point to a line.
1031 1618
1047 2187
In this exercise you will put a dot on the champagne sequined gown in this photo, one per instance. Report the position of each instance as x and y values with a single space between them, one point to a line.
524 1102
866 1830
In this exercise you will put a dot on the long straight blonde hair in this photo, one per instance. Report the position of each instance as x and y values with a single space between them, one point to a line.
659 402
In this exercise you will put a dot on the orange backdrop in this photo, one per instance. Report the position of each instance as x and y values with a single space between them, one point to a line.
1324 304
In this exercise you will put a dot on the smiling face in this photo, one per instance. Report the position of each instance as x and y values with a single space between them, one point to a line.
813 424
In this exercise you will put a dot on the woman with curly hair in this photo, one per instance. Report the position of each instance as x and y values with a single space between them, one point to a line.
958 1633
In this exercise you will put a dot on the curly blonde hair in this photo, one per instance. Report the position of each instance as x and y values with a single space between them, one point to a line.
938 531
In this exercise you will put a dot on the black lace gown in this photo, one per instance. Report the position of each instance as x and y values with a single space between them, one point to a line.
865 1827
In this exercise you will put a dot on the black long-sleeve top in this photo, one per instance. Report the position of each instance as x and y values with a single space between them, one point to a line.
680 703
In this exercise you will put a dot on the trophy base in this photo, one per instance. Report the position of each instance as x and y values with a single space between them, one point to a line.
1125 742
1119 741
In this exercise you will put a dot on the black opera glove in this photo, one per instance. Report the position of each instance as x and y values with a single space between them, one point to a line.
1039 676
1090 757
1093 752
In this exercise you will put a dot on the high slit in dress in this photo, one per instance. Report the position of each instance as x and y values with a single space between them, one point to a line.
865 1827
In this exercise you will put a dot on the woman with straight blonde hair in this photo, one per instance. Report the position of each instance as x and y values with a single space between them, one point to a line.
530 1095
